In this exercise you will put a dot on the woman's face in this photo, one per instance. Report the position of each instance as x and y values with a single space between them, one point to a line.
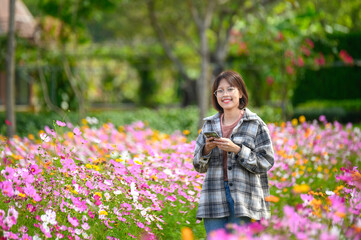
227 96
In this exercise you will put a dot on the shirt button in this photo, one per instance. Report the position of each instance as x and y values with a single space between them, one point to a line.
231 184
229 168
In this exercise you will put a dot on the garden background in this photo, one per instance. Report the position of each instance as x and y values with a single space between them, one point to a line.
109 97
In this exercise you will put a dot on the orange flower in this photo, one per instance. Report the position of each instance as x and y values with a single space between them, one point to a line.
187 234
302 188
186 132
271 198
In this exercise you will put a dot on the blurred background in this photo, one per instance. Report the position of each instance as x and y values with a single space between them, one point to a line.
154 60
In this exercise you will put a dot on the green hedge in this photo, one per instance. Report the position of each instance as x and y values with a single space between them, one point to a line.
343 111
331 83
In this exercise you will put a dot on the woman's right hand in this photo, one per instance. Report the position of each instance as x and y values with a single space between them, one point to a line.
210 144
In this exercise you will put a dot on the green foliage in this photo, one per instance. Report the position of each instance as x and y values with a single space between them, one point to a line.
167 120
335 110
332 44
331 83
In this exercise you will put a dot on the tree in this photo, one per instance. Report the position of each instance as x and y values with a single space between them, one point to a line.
210 25
276 43
10 73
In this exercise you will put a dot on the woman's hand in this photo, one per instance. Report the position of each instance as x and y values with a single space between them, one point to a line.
209 146
227 145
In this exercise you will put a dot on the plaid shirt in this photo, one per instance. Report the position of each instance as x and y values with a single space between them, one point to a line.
247 170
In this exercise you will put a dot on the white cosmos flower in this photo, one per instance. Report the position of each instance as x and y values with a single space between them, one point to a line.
107 196
44 137
125 155
117 192
114 154
78 231
330 193
134 192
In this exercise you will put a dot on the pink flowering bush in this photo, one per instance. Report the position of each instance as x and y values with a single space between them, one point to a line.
132 182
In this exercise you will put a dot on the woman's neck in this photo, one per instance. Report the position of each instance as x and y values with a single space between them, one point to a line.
230 117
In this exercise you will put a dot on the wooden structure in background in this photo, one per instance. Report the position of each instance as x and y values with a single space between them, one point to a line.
25 27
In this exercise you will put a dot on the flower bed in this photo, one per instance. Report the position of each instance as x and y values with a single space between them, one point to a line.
135 182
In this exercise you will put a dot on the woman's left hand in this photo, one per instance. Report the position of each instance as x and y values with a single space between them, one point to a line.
227 145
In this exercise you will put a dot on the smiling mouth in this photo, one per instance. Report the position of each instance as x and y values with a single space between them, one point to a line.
226 100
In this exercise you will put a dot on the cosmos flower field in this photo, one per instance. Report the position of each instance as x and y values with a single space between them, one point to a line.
133 182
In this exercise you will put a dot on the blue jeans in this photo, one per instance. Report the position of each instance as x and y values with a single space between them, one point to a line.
211 224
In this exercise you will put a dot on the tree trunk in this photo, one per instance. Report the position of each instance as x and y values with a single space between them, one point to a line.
202 83
10 73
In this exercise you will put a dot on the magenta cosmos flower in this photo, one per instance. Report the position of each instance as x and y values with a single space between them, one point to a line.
73 220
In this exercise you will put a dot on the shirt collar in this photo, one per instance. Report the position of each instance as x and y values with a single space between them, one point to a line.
247 116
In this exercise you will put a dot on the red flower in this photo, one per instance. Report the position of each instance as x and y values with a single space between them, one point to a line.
8 122
320 61
270 80
345 57
279 37
300 61
305 50
290 70
309 42
288 54
242 48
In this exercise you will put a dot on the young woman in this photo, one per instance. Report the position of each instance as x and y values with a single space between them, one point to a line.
236 162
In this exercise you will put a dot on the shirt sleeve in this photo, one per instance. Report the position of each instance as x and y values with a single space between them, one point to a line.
261 158
200 162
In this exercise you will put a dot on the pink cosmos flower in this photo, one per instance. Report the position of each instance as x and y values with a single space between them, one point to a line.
8 173
91 214
85 226
60 123
10 235
46 230
59 235
97 200
7 188
73 220
23 229
30 207
2 214
37 197
81 205
76 131
10 221
140 225
171 198
322 118
12 212
26 237
28 178
106 223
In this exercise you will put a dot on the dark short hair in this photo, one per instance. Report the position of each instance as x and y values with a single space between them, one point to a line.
235 80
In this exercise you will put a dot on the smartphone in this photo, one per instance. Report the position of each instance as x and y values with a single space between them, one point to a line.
211 134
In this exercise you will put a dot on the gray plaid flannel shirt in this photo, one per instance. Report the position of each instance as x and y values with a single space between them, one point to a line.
247 170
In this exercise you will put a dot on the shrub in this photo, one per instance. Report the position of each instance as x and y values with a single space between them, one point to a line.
335 110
